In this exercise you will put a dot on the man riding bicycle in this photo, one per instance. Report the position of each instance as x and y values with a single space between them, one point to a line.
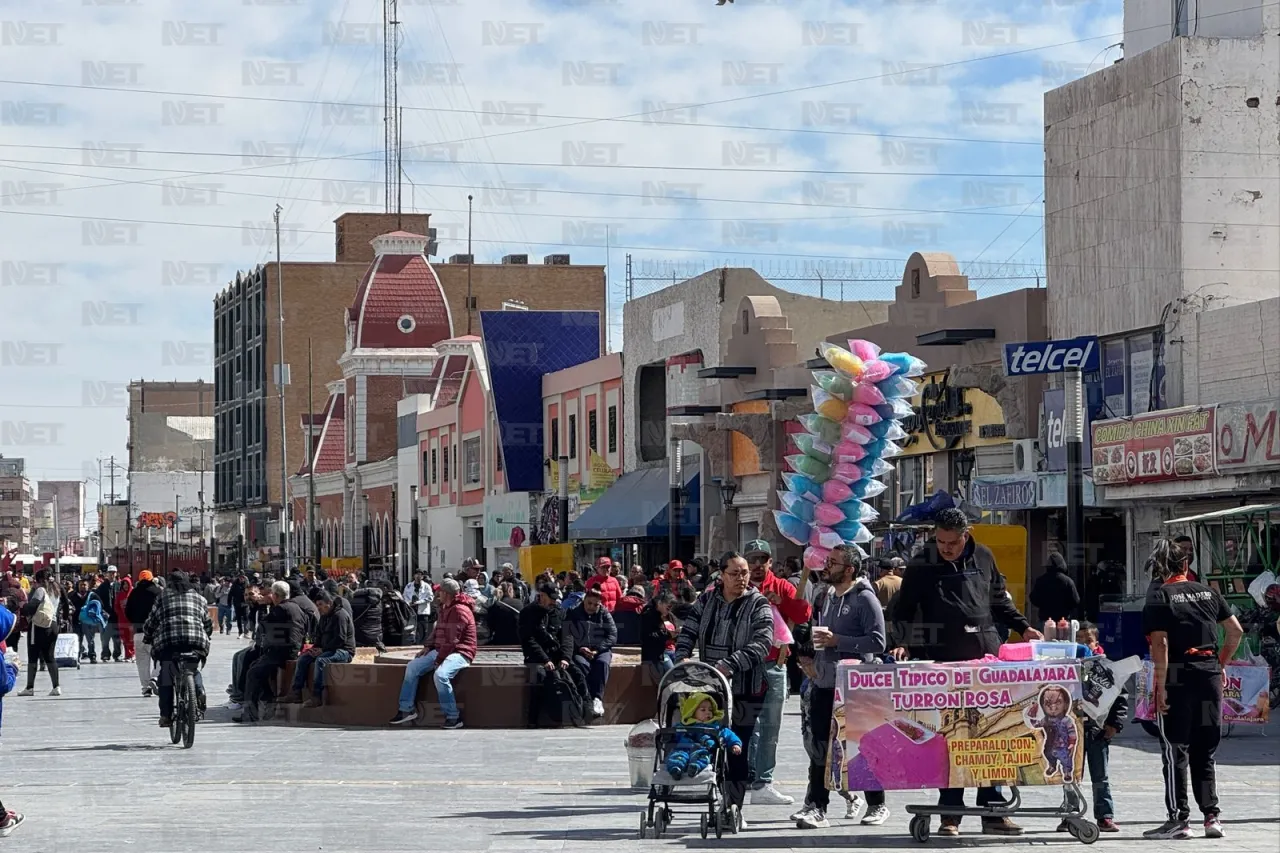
179 624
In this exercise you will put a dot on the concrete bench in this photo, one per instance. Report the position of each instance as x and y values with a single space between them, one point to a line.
492 693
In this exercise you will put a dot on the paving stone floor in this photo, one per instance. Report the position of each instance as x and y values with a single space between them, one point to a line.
93 772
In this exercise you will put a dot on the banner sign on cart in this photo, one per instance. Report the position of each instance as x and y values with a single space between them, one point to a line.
959 725
1174 444
1246 686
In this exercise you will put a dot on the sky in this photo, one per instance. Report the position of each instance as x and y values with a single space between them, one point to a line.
145 144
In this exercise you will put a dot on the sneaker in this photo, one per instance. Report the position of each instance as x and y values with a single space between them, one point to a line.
30 691
402 717
875 815
770 796
851 806
597 708
804 810
313 702
155 686
742 822
12 820
1108 825
234 706
1000 826
57 691
164 722
949 828
1213 828
146 693
1170 829
815 819
294 697
453 724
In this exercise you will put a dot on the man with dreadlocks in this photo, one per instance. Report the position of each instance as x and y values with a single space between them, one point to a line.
1181 619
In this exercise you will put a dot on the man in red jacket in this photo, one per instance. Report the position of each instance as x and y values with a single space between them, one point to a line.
451 649
762 753
610 589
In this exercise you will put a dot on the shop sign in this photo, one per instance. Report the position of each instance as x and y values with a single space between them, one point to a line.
1003 493
1247 436
1053 491
940 416
1174 444
506 520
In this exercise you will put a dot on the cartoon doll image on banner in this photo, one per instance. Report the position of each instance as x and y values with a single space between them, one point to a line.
1051 715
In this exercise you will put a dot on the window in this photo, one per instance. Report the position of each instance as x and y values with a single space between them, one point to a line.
1132 375
471 460
915 284
446 464
746 325
435 470
592 426
555 438
573 436
497 456
613 429
426 468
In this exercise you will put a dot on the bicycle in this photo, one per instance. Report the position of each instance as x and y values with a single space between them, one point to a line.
186 710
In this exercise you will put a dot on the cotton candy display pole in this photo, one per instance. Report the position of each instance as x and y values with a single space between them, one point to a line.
843 453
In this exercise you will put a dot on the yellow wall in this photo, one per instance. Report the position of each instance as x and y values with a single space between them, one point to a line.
535 559
986 411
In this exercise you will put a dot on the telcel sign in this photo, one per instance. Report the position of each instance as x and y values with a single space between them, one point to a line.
1029 359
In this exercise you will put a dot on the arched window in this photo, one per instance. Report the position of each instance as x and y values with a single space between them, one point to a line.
746 322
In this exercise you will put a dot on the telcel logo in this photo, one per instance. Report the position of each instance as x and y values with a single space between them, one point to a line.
1035 357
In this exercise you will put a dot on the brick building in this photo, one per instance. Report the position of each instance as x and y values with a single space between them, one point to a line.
17 528
247 456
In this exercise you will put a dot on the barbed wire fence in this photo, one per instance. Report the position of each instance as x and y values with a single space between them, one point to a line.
838 280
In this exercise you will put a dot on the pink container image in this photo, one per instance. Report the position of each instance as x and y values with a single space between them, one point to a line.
1017 652
903 755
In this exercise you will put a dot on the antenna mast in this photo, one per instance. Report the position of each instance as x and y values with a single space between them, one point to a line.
391 106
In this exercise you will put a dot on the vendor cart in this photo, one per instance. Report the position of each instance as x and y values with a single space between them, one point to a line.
923 725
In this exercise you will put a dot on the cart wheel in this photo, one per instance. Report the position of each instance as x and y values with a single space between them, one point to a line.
644 825
660 823
718 823
1083 831
920 828
702 826
734 811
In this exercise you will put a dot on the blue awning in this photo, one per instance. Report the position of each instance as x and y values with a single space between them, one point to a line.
637 506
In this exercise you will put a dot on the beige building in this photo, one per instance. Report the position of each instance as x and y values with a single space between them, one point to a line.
17 528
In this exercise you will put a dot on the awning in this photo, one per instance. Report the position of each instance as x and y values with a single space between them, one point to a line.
1257 509
637 507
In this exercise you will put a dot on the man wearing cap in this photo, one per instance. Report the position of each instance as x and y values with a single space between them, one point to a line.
106 592
136 610
763 751
450 650
610 589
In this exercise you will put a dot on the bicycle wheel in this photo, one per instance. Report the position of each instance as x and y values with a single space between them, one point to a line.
189 709
175 718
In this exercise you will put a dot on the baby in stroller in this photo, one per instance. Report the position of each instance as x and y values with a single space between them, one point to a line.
701 729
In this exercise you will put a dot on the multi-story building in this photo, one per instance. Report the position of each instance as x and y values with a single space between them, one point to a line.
1161 224
171 459
71 511
16 525
247 467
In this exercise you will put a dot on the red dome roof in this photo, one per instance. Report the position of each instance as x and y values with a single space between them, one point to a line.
400 303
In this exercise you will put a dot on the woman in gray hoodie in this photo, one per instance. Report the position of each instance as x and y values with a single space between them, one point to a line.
848 623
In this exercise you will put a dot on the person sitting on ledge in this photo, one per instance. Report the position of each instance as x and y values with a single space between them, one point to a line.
284 629
593 634
452 648
335 643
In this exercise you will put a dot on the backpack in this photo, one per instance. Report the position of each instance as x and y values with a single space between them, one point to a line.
46 614
88 618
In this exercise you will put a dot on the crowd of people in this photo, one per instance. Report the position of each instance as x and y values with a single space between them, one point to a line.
945 602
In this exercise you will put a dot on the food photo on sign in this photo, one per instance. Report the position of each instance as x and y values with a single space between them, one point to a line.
1170 445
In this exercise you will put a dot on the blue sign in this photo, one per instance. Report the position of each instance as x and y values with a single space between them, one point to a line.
1004 493
1036 357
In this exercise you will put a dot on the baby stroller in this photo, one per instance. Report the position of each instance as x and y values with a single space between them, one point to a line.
704 789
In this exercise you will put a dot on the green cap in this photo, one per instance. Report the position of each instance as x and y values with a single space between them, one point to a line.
757 546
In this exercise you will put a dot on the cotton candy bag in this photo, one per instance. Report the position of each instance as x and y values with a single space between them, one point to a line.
830 406
792 528
797 505
841 360
814 469
864 349
834 384
799 484
813 447
904 365
821 428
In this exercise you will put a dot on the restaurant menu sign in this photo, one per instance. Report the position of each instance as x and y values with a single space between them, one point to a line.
1174 444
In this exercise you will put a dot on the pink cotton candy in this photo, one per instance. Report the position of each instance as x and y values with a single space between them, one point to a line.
816 558
867 394
878 371
848 451
827 515
855 433
864 350
824 537
846 472
862 415
836 492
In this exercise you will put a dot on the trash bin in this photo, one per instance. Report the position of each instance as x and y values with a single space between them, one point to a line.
641 753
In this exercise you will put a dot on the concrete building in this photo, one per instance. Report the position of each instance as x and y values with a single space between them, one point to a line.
672 334
71 511
247 346
1162 235
17 529
171 460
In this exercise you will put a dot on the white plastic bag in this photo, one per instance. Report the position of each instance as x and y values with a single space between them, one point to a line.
1103 680
1258 587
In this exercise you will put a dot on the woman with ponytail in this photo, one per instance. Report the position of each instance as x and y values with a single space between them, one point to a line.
1181 620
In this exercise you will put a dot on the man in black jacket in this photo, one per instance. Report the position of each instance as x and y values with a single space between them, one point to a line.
137 607
592 634
951 598
106 595
335 643
1054 593
548 654
308 608
284 631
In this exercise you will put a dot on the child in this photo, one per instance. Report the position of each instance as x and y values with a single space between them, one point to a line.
1060 733
9 821
1097 743
701 729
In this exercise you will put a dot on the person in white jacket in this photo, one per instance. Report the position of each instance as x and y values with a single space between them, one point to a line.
419 594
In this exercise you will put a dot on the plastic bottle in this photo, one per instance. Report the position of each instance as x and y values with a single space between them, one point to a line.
1075 629
1063 627
1050 630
